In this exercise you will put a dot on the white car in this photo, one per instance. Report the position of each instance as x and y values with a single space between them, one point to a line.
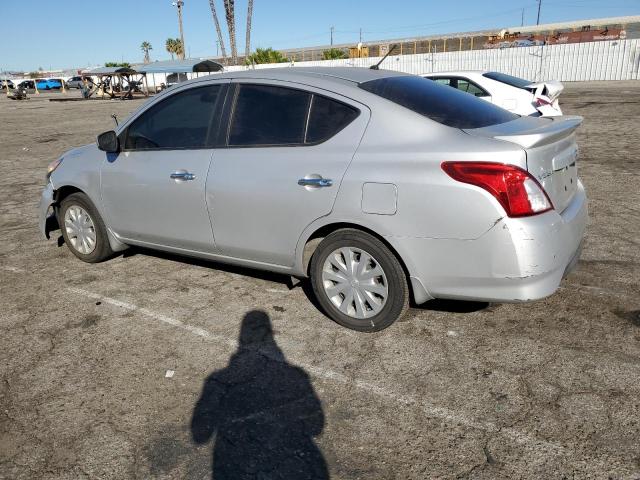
517 95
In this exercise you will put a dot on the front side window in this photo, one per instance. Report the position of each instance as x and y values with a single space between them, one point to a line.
181 121
269 115
441 104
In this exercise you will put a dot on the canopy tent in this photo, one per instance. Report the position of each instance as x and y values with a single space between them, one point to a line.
115 82
100 71
190 65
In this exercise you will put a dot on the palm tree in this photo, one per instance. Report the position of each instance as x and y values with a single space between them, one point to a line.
145 47
170 45
231 26
218 29
179 49
247 47
174 46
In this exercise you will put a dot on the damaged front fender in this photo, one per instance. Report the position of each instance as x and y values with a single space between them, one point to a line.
48 221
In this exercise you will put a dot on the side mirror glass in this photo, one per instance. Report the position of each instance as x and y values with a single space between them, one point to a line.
108 142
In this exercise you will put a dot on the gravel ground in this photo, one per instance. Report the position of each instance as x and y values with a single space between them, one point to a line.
152 366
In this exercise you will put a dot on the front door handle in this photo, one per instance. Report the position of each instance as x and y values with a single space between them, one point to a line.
315 182
182 175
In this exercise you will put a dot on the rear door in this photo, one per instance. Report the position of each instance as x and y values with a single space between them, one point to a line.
288 147
154 190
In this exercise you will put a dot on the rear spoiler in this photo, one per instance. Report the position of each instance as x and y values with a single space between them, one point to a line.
551 89
529 132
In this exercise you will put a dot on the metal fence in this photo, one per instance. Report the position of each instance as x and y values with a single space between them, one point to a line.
605 60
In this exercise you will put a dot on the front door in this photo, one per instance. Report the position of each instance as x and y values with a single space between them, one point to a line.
154 190
288 149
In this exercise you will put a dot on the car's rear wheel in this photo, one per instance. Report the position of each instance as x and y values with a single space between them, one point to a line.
358 281
83 229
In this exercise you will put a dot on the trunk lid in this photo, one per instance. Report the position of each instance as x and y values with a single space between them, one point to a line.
551 149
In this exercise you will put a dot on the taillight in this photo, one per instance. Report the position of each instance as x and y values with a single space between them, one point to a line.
517 191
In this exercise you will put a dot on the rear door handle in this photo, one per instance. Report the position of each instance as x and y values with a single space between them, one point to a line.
315 182
182 175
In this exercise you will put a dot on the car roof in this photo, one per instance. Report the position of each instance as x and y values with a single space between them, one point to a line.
313 75
455 72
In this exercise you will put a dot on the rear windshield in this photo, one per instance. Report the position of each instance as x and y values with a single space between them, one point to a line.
508 79
440 103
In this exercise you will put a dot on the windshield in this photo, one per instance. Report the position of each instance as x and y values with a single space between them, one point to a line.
440 103
508 79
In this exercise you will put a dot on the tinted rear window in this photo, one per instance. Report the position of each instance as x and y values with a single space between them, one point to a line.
508 79
440 103
269 115
327 118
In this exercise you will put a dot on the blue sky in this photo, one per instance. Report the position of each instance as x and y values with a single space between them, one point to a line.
63 34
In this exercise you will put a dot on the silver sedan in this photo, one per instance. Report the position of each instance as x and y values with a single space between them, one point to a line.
380 187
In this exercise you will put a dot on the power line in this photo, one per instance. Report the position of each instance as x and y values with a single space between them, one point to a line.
446 22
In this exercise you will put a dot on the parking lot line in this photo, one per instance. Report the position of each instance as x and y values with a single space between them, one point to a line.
277 290
519 436
13 269
156 316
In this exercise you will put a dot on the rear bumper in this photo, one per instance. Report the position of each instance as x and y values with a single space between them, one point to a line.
517 260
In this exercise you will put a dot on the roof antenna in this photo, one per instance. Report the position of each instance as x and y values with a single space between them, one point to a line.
377 65
115 118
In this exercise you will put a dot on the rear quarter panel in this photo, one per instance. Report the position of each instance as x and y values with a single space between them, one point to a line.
406 149
510 98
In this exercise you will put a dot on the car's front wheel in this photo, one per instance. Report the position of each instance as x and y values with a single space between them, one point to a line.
358 281
83 229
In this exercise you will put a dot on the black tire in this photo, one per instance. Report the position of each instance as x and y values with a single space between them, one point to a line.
397 301
102 250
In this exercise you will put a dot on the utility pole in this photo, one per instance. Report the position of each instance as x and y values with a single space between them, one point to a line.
180 4
360 34
522 20
332 35
539 5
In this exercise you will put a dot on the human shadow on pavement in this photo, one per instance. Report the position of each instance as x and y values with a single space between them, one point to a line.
261 412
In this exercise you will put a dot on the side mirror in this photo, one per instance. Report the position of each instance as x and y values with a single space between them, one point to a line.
108 142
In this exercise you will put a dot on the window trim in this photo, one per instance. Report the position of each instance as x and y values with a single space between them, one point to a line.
214 124
234 100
